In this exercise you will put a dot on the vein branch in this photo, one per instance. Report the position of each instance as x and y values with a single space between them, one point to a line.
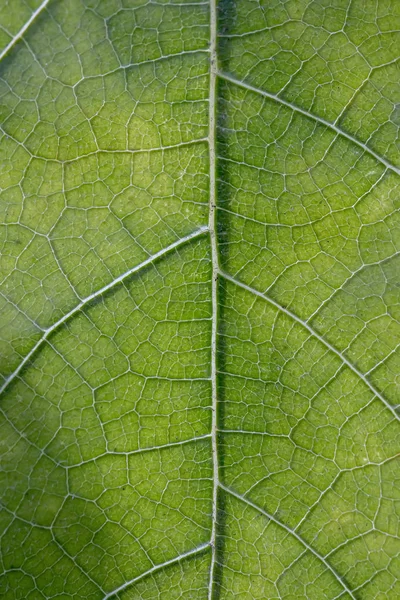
180 443
316 335
21 32
312 116
291 532
85 301
173 561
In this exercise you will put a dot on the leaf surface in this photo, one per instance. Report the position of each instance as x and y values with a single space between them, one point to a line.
199 303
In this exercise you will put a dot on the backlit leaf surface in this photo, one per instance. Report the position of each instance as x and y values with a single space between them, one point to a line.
200 305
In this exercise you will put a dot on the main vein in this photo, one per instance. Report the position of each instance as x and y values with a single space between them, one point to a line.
214 283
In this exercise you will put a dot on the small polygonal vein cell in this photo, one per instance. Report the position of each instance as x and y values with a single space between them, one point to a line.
199 299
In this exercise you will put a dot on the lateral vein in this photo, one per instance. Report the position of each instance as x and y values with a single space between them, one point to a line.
157 568
312 116
21 32
316 335
291 532
97 294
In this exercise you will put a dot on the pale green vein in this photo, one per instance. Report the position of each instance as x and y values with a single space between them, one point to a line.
314 334
332 484
100 292
291 532
212 224
173 561
180 443
21 32
129 151
310 115
144 62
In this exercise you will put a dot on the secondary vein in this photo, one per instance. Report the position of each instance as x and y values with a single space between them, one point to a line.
21 32
291 532
156 568
97 294
312 116
316 335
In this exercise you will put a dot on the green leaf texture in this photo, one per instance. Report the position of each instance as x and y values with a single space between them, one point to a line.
200 299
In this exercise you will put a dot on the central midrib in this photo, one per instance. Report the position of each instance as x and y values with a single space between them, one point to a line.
216 273
214 284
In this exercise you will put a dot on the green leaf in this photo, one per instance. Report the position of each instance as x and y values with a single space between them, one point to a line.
200 306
